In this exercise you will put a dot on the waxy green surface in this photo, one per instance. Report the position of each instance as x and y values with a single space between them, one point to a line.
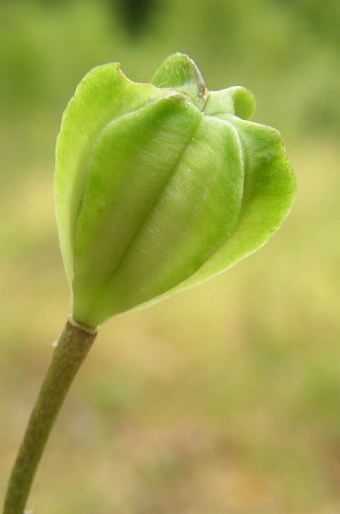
160 186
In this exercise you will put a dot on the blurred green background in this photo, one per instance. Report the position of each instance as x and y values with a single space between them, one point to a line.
224 399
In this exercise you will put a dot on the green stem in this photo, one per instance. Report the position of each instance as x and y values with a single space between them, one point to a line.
72 348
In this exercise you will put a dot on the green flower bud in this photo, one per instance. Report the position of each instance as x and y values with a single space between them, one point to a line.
161 185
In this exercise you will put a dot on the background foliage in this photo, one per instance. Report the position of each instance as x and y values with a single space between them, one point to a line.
224 399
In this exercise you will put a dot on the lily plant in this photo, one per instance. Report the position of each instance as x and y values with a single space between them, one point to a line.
158 186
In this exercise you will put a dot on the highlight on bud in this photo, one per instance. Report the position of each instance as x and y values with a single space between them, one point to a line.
161 185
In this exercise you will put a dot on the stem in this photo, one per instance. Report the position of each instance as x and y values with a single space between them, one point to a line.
71 350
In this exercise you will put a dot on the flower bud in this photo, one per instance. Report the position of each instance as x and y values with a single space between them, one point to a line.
161 185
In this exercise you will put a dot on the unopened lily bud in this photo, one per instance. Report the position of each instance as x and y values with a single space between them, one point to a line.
161 185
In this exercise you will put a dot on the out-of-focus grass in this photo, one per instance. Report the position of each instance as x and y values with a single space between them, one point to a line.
224 399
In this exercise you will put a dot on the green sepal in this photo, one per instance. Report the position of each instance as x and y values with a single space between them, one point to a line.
180 72
104 94
235 100
175 210
268 195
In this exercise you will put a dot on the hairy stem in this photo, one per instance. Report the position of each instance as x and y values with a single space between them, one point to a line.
71 350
